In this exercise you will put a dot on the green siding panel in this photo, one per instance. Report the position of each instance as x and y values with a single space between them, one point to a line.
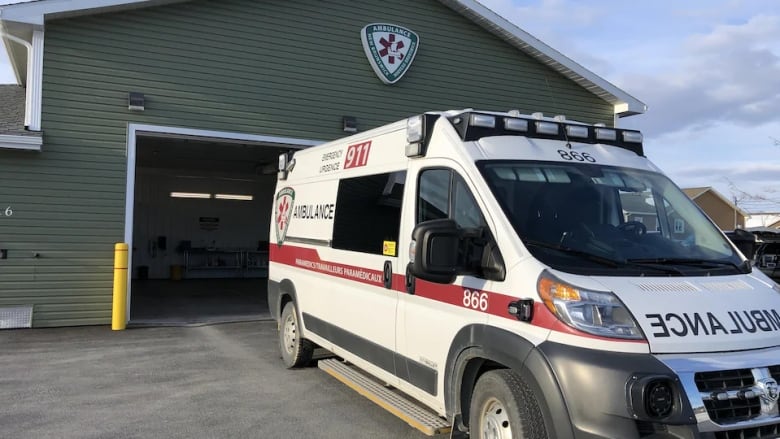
258 67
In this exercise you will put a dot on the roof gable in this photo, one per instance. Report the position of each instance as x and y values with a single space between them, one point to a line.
36 13
694 193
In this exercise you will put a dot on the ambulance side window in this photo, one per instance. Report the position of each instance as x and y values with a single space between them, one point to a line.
434 199
368 212
444 194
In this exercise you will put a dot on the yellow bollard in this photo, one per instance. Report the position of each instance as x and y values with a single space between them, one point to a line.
119 311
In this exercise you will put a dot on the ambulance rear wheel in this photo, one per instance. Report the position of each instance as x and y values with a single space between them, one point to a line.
504 407
296 351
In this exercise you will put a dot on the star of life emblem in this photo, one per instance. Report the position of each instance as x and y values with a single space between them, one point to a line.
390 49
771 391
285 200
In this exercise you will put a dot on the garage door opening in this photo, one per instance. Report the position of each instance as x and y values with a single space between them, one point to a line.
201 212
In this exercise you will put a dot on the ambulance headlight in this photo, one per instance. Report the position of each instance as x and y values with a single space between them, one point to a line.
595 312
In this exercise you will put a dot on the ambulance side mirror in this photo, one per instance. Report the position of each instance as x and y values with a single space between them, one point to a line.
435 251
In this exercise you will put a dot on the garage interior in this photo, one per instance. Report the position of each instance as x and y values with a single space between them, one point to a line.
201 219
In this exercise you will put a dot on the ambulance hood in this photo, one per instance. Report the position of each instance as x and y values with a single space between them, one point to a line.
704 314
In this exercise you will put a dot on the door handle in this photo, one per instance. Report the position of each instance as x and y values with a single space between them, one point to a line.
388 275
410 280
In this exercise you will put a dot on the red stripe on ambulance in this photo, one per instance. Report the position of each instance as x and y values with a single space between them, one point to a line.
489 302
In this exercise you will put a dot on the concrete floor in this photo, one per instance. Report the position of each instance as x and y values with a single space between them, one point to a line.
174 382
197 301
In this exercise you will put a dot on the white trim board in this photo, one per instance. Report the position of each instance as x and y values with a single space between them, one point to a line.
23 143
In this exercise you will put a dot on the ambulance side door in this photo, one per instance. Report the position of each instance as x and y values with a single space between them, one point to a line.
352 302
429 314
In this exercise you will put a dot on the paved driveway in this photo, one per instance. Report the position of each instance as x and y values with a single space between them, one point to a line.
219 381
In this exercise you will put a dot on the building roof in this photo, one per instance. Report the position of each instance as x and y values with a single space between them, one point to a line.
12 114
19 20
696 192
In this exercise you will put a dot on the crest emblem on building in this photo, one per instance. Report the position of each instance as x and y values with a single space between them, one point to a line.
390 49
285 200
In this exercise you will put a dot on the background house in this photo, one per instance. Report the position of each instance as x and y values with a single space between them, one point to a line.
769 220
725 214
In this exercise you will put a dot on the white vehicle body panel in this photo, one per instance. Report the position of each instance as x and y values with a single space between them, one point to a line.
350 307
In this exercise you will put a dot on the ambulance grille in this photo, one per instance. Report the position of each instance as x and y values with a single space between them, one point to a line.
766 431
724 380
775 372
730 410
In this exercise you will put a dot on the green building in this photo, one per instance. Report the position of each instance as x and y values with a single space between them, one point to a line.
159 123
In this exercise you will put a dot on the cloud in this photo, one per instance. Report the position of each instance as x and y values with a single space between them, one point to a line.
745 171
555 22
696 65
729 74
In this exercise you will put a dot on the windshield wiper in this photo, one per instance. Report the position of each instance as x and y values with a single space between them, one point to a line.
589 256
702 263
652 263
602 260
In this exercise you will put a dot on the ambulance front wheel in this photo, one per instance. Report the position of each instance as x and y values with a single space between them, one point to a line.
504 407
296 351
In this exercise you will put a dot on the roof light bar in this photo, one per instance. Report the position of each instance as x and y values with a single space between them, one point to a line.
414 129
513 124
632 136
471 125
482 120
418 133
549 128
577 131
606 134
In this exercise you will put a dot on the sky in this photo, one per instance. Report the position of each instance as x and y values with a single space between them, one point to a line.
708 70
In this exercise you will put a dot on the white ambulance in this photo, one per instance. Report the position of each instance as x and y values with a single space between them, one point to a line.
520 276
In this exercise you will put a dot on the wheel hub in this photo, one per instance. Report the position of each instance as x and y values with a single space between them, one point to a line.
289 334
494 421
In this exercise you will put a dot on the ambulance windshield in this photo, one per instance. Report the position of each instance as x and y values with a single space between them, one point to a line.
588 219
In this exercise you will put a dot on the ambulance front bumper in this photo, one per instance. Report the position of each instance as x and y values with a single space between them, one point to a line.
732 395
697 396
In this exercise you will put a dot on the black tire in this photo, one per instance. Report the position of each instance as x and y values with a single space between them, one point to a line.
504 407
296 351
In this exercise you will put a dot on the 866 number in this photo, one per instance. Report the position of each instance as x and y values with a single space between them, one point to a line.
576 156
475 299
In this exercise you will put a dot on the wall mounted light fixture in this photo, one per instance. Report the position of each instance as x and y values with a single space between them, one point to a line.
349 124
135 101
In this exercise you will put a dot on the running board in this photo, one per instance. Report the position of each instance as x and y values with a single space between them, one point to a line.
401 406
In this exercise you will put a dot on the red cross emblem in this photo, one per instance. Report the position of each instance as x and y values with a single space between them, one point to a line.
391 48
284 204
281 216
